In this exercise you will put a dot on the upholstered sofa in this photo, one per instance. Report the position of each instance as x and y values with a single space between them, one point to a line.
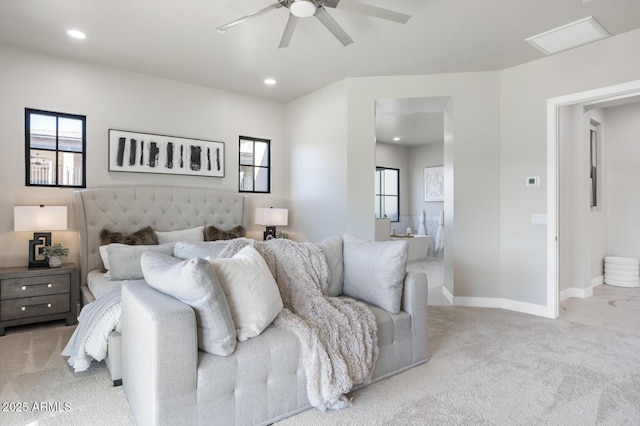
168 381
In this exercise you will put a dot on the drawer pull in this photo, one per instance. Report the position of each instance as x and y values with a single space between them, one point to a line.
41 305
49 285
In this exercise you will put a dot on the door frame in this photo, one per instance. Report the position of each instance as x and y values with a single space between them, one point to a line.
603 94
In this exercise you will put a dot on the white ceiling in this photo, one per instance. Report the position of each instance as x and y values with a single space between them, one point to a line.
178 40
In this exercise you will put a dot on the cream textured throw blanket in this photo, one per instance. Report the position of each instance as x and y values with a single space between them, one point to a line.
338 335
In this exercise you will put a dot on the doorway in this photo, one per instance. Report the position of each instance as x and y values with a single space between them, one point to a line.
576 207
410 139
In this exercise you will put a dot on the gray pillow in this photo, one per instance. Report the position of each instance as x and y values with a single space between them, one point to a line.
191 234
124 260
374 271
332 250
193 282
189 250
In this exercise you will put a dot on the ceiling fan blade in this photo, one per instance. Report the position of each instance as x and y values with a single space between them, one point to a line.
225 27
376 12
333 27
289 29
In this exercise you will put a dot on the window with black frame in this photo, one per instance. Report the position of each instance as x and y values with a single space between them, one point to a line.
255 165
55 145
388 193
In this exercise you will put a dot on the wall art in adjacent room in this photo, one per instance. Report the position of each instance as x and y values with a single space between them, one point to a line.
434 183
147 153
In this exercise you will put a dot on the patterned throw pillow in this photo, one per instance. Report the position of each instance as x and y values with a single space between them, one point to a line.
211 233
144 236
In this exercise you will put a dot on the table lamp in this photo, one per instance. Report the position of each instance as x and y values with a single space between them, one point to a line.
271 218
40 220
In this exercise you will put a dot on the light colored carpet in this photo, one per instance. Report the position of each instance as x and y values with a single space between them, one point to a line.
487 366
490 366
33 375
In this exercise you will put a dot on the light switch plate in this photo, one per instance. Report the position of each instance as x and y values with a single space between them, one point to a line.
539 218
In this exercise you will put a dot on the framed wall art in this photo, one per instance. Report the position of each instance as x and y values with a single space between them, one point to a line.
147 153
434 183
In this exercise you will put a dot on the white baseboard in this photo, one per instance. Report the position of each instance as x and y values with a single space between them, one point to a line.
581 293
514 305
496 302
447 294
595 282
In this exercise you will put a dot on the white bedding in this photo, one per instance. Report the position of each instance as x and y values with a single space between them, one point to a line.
89 340
99 283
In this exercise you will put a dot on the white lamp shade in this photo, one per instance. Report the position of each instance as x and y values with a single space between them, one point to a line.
40 218
272 217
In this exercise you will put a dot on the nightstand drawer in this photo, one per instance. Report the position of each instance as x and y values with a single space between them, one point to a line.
15 288
33 306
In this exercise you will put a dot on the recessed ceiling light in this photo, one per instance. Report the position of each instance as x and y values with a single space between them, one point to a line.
396 138
76 34
269 81
568 36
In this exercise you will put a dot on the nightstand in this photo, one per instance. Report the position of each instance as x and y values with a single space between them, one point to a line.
38 294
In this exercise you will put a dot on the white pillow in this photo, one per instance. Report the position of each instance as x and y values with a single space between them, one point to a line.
194 282
104 254
374 271
193 234
124 260
189 250
252 293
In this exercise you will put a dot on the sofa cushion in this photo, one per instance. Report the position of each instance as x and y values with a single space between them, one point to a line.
191 234
193 282
332 250
374 271
252 292
188 250
124 260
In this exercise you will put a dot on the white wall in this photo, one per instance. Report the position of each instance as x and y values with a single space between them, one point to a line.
427 155
523 150
111 98
622 168
317 134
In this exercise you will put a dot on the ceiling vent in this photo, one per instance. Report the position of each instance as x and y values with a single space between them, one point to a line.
568 36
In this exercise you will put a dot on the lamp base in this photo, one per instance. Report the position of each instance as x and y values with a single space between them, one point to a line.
40 240
269 233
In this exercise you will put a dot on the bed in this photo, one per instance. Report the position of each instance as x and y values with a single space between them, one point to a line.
127 209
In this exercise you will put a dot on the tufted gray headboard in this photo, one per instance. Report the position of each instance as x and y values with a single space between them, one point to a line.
165 208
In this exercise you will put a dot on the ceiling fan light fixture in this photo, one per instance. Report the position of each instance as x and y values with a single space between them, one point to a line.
303 8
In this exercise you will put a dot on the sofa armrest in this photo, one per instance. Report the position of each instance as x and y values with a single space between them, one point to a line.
414 302
159 356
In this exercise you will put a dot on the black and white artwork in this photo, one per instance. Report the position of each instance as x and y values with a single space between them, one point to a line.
147 153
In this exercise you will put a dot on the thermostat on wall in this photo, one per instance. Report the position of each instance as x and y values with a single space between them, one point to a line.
533 181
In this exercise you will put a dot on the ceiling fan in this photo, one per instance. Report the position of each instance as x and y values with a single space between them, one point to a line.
300 9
